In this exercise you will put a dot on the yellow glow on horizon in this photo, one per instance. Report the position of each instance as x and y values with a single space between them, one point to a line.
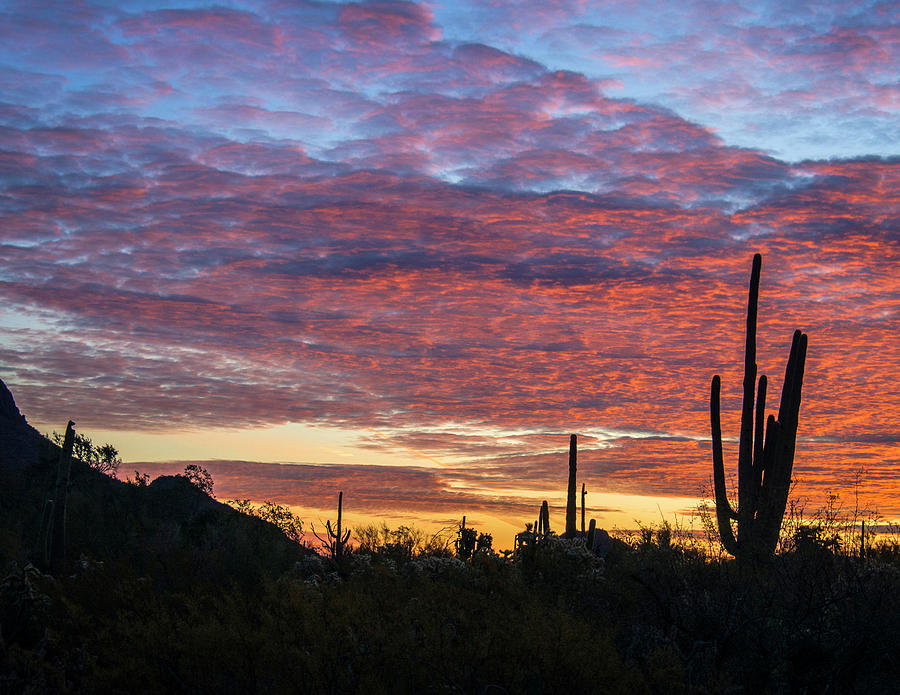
632 511
288 443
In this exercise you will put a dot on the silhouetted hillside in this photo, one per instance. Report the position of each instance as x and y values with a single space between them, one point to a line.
169 529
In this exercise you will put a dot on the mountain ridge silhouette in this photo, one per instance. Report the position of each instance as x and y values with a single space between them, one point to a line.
20 444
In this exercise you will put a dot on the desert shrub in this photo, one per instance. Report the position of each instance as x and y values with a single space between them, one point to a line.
401 544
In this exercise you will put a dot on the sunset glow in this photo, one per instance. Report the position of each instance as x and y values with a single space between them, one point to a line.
412 246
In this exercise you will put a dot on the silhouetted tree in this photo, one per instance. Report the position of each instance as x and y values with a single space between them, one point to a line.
104 458
200 477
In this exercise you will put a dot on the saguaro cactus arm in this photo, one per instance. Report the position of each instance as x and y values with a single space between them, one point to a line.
780 460
745 447
724 512
583 495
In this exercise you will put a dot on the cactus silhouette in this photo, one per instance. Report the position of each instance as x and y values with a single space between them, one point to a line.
571 530
54 545
764 464
466 541
583 495
544 520
334 541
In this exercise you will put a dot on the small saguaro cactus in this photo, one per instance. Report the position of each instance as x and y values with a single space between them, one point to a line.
466 541
764 464
334 541
571 530
592 530
544 520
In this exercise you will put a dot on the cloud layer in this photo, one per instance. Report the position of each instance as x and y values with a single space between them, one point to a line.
384 215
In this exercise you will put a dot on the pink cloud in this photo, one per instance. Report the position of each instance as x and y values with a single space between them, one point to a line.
387 22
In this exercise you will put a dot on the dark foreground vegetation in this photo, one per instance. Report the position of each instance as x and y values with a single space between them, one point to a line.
166 590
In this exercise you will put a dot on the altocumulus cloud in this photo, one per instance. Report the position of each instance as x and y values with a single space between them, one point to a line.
367 215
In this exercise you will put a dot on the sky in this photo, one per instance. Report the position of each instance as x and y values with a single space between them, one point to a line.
408 247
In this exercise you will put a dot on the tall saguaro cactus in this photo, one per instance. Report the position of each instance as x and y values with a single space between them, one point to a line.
55 546
571 508
764 463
